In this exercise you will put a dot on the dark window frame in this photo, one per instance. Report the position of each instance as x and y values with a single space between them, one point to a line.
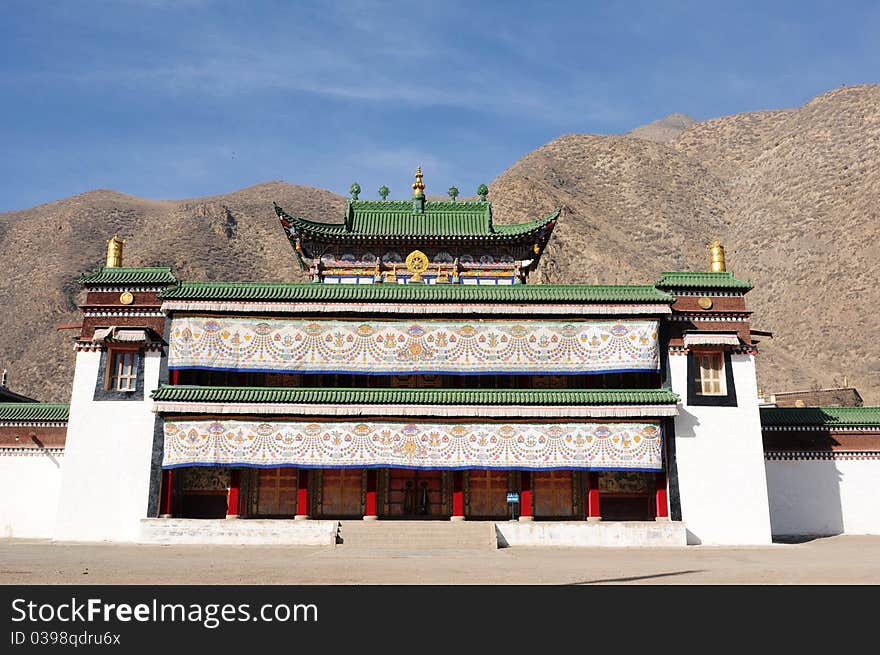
695 398
105 384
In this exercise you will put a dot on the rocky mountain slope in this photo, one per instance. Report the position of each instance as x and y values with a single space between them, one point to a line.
794 195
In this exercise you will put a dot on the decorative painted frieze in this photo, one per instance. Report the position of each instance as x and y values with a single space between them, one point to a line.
400 347
633 446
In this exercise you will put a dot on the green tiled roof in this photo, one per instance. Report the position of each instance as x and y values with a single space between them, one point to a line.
34 411
403 293
698 280
820 416
130 275
345 396
396 219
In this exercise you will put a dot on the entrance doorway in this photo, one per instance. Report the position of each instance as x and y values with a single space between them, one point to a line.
553 494
276 492
487 494
415 494
341 493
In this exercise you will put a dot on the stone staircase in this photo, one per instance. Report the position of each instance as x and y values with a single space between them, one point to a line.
417 534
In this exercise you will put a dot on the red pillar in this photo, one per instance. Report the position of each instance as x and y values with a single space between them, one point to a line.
174 375
661 498
370 506
302 495
167 488
525 496
457 496
232 499
593 510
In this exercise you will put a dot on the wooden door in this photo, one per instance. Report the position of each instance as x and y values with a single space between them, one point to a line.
341 493
276 492
414 493
487 494
552 494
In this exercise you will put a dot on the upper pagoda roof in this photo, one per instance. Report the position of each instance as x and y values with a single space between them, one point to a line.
380 220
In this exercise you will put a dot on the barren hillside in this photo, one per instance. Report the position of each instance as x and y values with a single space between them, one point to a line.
795 195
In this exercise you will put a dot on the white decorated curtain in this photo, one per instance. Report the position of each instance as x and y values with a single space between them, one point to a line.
405 347
633 446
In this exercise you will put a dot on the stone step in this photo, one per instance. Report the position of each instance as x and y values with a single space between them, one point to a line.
408 534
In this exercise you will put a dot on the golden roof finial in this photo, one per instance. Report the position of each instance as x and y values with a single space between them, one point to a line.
114 251
718 264
418 186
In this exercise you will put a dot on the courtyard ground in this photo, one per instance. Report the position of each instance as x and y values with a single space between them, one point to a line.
831 560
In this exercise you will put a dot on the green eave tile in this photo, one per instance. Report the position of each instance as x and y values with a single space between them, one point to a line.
402 293
699 280
346 396
821 416
34 411
130 275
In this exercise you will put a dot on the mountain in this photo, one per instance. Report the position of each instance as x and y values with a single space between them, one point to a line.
793 194
663 130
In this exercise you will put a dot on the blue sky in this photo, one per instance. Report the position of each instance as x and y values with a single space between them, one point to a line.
184 98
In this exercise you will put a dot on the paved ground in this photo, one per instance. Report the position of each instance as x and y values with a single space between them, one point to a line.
832 560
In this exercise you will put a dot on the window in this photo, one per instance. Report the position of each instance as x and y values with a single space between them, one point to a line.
710 378
123 371
710 374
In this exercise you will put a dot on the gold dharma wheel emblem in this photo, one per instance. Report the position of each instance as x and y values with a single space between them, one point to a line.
416 263
705 303
126 298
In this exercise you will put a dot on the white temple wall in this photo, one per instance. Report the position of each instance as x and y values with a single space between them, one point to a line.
104 491
720 461
820 497
30 479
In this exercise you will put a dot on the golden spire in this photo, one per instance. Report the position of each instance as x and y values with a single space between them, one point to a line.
114 251
418 186
717 250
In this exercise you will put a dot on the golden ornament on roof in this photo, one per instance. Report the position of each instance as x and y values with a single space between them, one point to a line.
718 264
114 251
418 186
416 263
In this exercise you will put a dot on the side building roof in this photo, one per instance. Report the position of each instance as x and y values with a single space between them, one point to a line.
128 275
34 412
702 280
824 417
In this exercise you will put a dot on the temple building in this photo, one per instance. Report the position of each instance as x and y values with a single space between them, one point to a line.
418 377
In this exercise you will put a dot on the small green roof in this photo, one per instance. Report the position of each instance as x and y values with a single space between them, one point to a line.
421 293
129 275
347 396
820 416
396 219
26 412
701 280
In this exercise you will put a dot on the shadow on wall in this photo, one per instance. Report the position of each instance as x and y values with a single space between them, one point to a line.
804 492
686 424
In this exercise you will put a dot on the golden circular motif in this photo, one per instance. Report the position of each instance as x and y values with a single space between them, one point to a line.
126 298
417 262
705 303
